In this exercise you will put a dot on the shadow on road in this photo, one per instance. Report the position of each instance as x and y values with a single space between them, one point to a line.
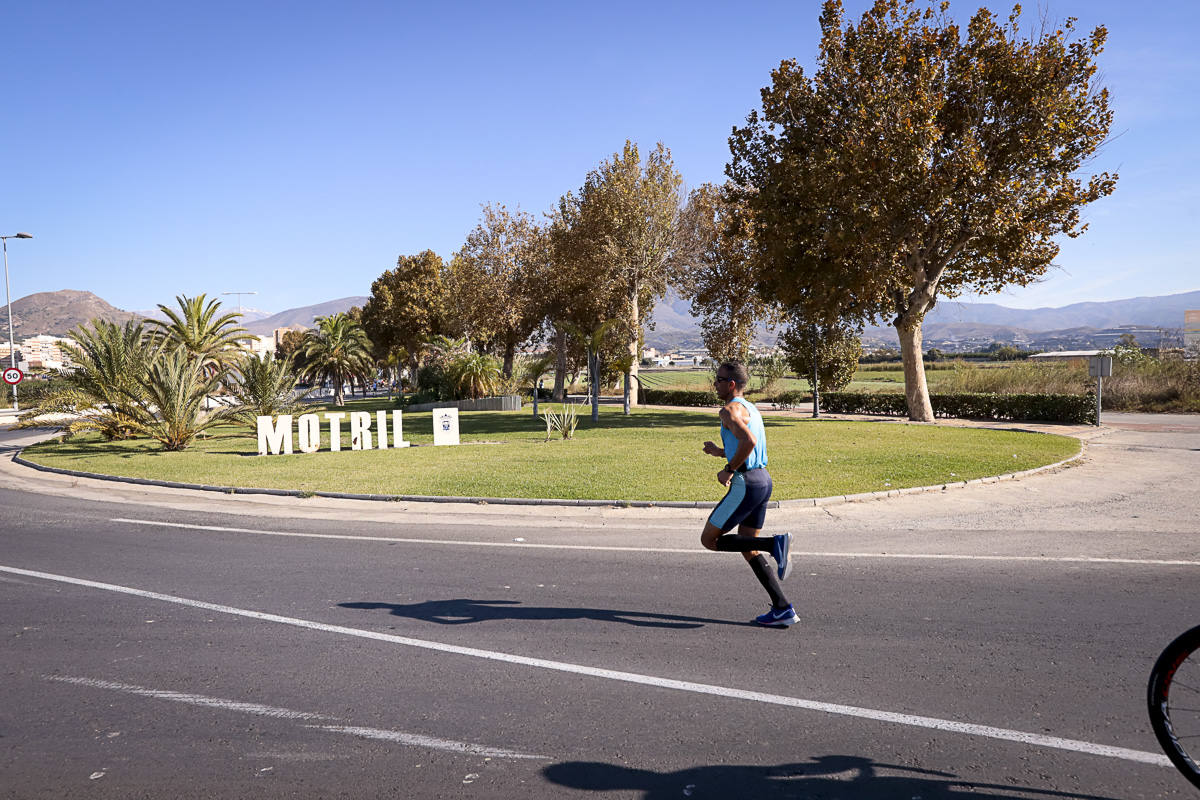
462 610
843 777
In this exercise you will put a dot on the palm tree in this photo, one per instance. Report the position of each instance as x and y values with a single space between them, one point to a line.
337 351
475 375
265 386
216 342
172 407
102 391
531 372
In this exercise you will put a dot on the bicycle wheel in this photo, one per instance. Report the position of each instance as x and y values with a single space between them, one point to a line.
1174 703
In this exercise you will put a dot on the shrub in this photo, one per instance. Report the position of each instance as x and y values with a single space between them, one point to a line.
1062 377
474 375
1169 384
564 422
833 349
265 386
173 410
678 397
1067 408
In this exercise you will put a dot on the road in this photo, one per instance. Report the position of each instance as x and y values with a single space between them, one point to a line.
990 641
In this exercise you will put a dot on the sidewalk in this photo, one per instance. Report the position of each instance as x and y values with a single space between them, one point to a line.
18 476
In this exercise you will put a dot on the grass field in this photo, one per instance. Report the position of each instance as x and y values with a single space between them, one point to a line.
652 455
863 381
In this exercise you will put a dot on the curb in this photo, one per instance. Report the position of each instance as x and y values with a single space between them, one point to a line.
516 501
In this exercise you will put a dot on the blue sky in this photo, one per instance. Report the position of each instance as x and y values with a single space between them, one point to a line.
296 149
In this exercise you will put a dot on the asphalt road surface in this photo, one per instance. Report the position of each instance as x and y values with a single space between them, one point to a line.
988 642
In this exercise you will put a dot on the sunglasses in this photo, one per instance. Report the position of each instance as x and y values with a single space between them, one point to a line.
719 379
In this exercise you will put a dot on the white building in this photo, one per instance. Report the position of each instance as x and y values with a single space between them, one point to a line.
1191 331
40 352
262 345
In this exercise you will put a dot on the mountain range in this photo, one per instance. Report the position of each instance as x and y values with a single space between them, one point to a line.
950 325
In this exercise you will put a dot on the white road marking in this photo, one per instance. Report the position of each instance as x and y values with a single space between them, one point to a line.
399 737
191 699
416 740
675 550
1034 739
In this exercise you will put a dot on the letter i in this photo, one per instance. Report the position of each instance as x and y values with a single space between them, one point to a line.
381 428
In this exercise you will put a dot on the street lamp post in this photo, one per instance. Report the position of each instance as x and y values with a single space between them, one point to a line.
12 342
239 297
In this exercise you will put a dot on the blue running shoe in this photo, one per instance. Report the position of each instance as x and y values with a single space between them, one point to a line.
781 550
778 617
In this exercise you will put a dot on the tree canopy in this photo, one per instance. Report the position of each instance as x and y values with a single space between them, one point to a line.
720 276
628 215
494 291
407 305
919 161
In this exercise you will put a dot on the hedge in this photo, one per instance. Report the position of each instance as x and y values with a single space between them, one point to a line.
677 397
790 399
1069 408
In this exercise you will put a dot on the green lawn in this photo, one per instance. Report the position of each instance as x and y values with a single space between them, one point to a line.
890 380
652 455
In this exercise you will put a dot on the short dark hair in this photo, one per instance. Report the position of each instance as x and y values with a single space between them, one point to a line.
737 371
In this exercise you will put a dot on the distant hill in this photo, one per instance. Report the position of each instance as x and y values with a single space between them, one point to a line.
302 316
248 314
951 325
1151 312
57 313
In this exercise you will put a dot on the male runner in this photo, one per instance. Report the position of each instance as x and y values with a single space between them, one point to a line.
745 504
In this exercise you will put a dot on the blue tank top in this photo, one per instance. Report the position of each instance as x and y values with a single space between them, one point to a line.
758 457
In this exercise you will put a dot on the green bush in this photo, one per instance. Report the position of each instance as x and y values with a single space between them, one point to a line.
1074 409
678 397
790 399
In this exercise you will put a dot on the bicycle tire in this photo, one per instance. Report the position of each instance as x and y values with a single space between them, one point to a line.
1174 704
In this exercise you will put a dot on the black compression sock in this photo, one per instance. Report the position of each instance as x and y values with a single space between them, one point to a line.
766 576
732 543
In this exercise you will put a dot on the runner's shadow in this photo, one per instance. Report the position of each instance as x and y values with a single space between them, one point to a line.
845 777
462 610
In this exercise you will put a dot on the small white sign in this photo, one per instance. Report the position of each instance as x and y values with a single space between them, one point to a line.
13 376
445 426
1100 366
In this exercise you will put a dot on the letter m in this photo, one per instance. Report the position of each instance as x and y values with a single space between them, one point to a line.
272 437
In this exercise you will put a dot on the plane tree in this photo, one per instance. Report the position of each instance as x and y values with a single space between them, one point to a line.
920 160
629 212
719 273
408 307
494 289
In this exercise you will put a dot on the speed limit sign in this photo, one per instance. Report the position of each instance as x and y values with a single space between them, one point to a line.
13 376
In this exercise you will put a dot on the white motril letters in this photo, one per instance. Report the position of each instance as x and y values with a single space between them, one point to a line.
275 435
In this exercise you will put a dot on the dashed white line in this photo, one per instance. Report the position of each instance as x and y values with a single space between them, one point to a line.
1154 562
399 737
987 731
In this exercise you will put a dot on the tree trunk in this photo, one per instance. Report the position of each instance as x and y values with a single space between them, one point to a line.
510 351
634 355
916 391
594 371
560 364
816 371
